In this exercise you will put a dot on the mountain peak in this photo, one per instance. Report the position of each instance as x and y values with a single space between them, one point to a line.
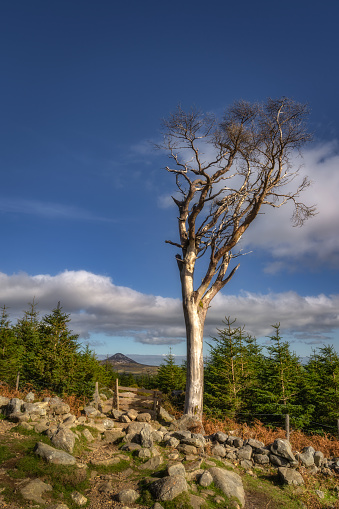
120 358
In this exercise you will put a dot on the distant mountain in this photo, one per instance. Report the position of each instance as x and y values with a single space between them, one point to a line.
120 358
123 364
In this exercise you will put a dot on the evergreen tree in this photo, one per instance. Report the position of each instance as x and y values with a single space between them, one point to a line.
27 334
11 350
282 382
170 377
323 377
230 372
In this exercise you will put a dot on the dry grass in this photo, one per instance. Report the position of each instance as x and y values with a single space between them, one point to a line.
327 444
73 401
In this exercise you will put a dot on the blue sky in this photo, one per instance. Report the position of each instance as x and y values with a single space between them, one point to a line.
84 198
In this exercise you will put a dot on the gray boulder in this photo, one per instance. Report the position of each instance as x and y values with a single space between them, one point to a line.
245 453
283 449
229 483
218 450
176 469
319 458
52 455
290 476
205 479
220 437
127 496
64 439
306 458
164 415
146 438
34 490
169 487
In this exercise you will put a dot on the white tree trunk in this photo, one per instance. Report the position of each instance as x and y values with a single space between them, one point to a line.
195 363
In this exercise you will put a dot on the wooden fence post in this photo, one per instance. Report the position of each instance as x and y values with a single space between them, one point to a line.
96 395
17 381
287 426
117 392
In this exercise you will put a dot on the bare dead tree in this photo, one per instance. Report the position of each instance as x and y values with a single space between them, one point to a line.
226 172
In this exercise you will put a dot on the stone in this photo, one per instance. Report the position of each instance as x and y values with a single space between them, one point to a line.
307 456
318 458
128 496
146 438
187 449
30 397
59 408
106 462
34 490
4 401
116 413
278 461
91 412
78 498
124 418
189 422
255 444
238 442
15 405
196 502
220 437
229 483
132 414
106 487
152 463
218 450
64 439
282 448
246 464
144 453
205 479
164 415
157 506
41 427
245 452
172 442
290 476
261 459
52 455
169 487
157 435
176 469
88 435
113 435
320 494
144 417
108 424
56 506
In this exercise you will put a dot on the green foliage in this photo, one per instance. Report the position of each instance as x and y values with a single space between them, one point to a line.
234 357
170 377
48 354
244 382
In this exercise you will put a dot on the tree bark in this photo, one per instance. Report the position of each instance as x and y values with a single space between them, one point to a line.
195 363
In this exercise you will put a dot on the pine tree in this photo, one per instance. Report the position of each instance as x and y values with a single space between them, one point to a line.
11 350
170 377
282 381
230 372
323 377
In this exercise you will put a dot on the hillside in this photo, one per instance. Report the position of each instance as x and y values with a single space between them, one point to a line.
123 364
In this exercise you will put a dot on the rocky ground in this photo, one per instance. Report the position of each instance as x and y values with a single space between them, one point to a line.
54 459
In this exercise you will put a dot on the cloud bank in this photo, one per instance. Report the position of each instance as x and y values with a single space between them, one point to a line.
97 305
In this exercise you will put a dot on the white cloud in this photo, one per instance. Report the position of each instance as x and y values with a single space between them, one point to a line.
317 242
96 305
47 209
